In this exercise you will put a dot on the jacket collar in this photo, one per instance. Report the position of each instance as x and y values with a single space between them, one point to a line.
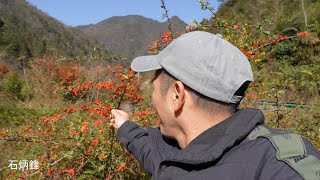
213 142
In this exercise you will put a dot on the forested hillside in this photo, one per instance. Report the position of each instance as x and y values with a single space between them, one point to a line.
279 16
27 32
130 35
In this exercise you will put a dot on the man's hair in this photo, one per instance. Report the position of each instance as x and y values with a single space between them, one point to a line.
211 106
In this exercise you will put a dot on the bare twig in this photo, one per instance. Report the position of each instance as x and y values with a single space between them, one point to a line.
205 6
30 175
112 133
58 160
163 6
211 26
304 13
78 170
29 139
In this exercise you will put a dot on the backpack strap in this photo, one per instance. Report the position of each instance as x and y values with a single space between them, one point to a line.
291 150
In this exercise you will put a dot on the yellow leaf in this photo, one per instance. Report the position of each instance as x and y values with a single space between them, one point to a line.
307 72
257 60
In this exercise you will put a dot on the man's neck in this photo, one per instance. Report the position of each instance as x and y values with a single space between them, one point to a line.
193 126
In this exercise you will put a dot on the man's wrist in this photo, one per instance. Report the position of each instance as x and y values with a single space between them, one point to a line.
126 127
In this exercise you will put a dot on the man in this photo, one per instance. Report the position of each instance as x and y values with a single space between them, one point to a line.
199 82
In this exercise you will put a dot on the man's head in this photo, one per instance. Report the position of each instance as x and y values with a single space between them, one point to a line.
207 105
199 67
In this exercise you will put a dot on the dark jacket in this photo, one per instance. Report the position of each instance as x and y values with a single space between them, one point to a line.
221 152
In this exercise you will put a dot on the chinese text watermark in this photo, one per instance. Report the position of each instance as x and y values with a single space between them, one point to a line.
23 165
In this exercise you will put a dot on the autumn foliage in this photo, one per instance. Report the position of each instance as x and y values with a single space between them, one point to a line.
78 140
68 132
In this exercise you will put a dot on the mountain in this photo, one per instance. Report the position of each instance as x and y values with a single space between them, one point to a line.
27 32
280 16
130 35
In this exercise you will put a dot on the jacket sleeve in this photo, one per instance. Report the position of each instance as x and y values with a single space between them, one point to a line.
138 142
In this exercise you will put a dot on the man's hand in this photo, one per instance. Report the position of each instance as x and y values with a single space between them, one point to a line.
118 118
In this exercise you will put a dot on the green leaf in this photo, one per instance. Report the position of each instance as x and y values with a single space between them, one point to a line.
266 32
126 77
163 16
196 24
101 168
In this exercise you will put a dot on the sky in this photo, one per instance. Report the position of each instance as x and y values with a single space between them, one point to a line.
84 12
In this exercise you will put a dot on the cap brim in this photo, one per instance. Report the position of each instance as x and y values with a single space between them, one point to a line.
145 63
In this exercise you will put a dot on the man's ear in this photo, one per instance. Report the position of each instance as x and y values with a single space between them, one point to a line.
178 96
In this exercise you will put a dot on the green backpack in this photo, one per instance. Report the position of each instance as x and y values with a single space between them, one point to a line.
291 150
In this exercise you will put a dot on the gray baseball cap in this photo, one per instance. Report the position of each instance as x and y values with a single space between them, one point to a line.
204 62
